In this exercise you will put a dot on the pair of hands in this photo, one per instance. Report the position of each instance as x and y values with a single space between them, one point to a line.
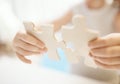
105 50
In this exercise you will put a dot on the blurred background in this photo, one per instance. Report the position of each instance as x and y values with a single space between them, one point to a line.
45 11
48 10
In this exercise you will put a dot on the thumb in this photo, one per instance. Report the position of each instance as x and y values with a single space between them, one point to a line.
109 40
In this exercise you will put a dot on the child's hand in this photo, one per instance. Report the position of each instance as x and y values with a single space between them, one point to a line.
26 44
106 51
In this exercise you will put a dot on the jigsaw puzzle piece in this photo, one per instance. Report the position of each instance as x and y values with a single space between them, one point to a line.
67 49
46 34
79 36
71 56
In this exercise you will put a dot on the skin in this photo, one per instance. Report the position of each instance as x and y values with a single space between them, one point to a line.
106 51
26 44
117 22
95 4
2 47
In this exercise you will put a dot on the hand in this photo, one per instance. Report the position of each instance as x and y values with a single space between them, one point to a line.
25 45
106 51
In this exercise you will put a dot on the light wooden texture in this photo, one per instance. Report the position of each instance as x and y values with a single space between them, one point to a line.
79 36
45 33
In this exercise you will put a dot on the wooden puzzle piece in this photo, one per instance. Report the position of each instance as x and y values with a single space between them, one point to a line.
46 34
69 56
79 36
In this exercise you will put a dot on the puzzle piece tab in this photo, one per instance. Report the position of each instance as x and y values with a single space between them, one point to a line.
69 56
46 34
79 36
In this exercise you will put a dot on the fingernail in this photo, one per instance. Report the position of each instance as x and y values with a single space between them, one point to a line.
43 52
29 62
46 49
90 54
42 46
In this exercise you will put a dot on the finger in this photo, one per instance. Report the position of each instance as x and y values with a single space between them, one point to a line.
24 52
27 47
22 58
29 25
113 51
32 40
108 61
45 50
110 40
110 67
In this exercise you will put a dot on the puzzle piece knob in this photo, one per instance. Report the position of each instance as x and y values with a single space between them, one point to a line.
28 25
79 21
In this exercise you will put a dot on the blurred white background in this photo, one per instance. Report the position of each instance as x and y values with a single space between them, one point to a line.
48 9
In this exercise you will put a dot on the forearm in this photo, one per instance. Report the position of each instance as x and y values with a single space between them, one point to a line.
63 20
117 23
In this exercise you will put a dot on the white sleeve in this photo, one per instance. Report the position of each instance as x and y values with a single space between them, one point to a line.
9 24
